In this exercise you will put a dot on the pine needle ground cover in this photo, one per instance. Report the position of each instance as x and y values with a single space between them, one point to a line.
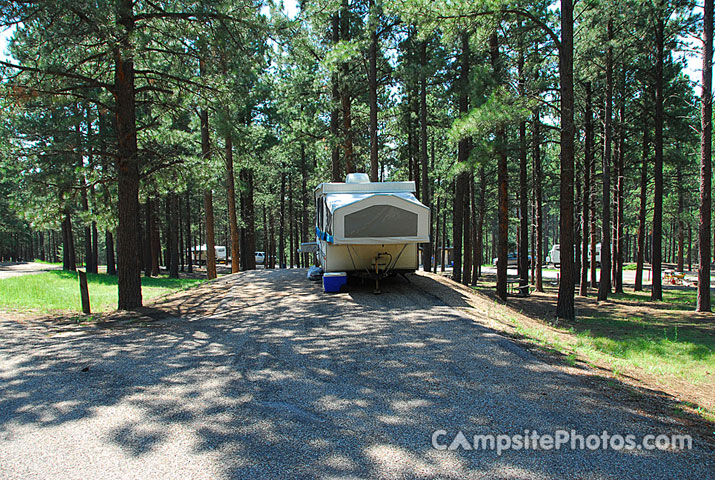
59 291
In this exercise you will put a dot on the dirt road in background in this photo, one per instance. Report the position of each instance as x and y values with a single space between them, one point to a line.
14 269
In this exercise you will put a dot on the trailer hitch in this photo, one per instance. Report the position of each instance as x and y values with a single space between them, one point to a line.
377 263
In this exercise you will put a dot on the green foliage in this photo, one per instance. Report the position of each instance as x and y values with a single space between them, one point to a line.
501 109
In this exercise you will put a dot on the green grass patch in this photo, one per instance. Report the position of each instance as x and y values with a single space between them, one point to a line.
47 263
672 297
59 290
685 351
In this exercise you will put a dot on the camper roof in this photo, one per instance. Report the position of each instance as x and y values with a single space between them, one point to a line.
370 187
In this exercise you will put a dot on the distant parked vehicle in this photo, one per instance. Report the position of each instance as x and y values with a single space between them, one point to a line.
554 257
598 254
260 258
512 260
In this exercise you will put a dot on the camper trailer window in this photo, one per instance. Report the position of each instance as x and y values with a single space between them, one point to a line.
381 221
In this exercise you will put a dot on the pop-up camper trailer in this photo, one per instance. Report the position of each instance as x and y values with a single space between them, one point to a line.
369 228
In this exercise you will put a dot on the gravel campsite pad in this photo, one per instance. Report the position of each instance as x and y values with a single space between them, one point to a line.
8 270
262 375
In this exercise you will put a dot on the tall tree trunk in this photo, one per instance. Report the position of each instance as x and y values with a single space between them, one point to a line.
266 251
410 162
189 241
210 243
304 201
69 261
604 287
95 248
577 224
42 246
272 240
372 84
502 180
345 93
281 228
479 258
336 170
173 260
232 219
109 246
416 159
88 257
467 255
148 239
586 207
476 263
291 217
523 187
180 226
593 206
426 247
681 223
690 248
614 212
462 157
565 302
208 200
538 200
642 209
250 221
437 246
154 240
445 255
242 229
703 303
128 268
657 290
620 186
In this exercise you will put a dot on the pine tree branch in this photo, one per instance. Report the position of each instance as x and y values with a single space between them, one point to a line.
93 83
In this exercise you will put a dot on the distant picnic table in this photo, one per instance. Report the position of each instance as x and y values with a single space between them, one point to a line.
513 288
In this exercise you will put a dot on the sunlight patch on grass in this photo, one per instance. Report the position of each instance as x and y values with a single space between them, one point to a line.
59 290
44 262
661 351
657 349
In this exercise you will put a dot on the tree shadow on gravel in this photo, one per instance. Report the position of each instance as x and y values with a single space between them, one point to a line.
271 377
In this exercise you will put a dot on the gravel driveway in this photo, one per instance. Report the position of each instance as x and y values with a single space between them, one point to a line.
13 269
279 380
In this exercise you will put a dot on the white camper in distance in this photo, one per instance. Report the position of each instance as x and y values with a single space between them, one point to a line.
554 257
199 254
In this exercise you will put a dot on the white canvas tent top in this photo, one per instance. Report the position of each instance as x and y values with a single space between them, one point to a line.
359 212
